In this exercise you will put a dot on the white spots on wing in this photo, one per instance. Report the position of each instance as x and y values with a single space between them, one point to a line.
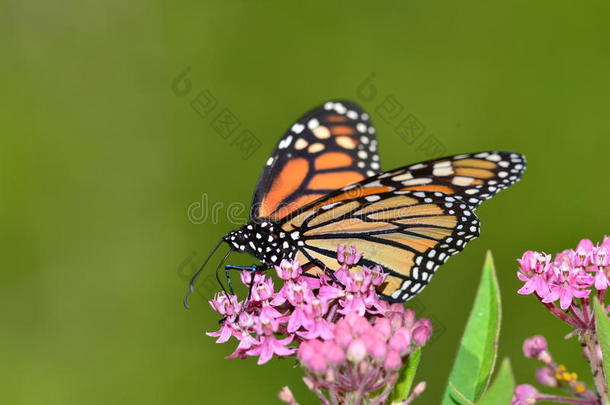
329 206
285 142
298 128
340 108
362 154
504 164
442 171
404 176
295 235
471 191
462 181
372 198
414 182
417 166
329 105
312 123
316 147
482 155
321 132
364 139
494 157
361 127
300 144
270 161
371 130
502 174
352 114
375 165
361 165
370 173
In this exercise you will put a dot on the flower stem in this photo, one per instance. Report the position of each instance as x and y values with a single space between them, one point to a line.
559 314
595 361
566 400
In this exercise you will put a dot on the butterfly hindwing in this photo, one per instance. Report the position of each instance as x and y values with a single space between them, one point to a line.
328 148
408 233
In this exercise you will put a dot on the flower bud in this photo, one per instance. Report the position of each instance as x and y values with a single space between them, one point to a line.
334 353
525 394
422 331
535 347
286 396
356 351
383 326
361 327
393 361
546 376
398 343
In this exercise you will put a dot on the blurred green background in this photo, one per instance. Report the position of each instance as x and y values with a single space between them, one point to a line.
100 161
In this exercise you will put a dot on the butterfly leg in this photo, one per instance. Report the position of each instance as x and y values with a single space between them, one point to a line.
327 271
254 268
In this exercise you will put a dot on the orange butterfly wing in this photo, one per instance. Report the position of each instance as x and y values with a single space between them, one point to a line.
409 220
328 148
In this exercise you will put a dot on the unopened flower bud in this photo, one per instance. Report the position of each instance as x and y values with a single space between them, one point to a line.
546 376
393 361
356 351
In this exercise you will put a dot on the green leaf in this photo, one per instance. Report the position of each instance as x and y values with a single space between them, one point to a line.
602 326
501 391
476 356
405 379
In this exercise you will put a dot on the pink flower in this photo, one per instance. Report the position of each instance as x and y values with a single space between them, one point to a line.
534 272
288 270
348 256
524 394
568 286
269 345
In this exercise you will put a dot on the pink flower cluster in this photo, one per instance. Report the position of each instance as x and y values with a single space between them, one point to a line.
347 338
364 355
571 275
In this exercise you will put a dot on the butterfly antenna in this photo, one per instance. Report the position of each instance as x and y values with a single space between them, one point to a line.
194 279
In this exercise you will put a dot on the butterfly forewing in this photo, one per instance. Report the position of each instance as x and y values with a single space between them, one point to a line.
409 220
328 148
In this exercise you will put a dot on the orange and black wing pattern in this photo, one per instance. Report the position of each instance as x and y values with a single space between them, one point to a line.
328 148
409 220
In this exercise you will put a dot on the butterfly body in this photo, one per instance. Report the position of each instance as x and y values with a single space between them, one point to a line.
323 186
264 241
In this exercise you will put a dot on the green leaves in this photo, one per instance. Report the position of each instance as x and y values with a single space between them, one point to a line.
476 356
501 391
602 327
405 380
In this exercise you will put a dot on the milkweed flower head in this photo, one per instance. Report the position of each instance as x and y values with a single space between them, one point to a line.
565 282
350 343
566 285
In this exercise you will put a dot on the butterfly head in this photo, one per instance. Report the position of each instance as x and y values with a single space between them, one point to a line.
263 241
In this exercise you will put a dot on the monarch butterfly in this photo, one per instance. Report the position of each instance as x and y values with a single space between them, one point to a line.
323 187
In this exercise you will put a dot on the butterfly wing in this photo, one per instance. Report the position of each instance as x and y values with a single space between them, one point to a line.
330 147
473 177
408 224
